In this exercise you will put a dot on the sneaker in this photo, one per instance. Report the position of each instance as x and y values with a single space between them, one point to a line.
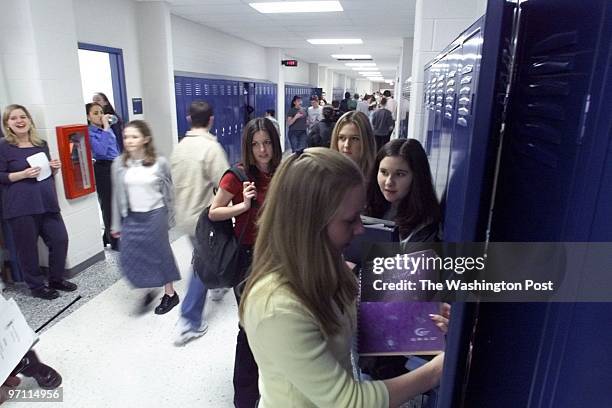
45 293
167 303
64 285
185 332
217 294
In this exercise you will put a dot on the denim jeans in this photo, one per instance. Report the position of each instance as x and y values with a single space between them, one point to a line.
298 139
192 307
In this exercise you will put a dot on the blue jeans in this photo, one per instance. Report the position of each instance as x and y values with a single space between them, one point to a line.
298 139
192 307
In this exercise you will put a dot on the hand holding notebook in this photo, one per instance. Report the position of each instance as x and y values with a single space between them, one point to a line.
40 160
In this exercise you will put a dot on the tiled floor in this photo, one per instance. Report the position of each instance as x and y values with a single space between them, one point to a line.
109 357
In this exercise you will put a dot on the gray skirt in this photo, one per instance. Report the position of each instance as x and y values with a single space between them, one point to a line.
145 256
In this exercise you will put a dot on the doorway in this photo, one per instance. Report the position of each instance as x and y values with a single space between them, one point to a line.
102 71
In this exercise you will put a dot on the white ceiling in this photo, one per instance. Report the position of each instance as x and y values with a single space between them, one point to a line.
381 24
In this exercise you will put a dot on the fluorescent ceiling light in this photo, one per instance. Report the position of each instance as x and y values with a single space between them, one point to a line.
364 69
297 7
379 79
360 64
332 41
370 73
351 56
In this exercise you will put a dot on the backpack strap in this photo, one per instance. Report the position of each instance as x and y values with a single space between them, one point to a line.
238 172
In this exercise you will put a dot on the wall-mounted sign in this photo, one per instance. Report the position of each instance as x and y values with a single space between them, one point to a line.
289 63
137 106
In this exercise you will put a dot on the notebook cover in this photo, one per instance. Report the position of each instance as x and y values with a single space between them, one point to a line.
398 328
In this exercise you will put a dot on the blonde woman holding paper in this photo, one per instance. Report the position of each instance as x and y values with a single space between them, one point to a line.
29 202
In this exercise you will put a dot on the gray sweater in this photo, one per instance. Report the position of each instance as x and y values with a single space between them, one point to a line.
120 194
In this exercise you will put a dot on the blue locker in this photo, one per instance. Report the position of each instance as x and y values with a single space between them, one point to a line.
466 63
181 115
554 184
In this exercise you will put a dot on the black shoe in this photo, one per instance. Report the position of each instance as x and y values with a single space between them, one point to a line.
143 306
45 293
114 243
30 366
64 285
167 303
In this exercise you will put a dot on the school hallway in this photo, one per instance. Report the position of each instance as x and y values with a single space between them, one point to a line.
110 357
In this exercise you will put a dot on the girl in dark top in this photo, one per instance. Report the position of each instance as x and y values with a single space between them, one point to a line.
401 190
320 134
261 155
108 109
30 206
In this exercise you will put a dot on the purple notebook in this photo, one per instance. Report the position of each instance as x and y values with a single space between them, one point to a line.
398 328
399 324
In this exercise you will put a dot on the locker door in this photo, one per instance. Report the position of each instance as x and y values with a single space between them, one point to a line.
470 206
181 121
428 103
214 93
555 172
436 118
445 129
465 83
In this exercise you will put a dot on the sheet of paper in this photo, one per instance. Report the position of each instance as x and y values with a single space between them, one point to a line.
40 160
16 337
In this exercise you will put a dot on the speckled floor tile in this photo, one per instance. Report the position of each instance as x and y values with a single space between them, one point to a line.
109 357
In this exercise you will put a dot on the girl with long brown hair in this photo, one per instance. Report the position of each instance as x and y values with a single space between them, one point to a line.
143 211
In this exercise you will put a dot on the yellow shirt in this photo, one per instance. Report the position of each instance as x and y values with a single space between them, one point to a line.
298 365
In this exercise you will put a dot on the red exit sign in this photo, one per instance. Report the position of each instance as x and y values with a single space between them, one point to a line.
289 63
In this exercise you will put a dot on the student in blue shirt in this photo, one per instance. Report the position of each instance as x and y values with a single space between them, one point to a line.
105 150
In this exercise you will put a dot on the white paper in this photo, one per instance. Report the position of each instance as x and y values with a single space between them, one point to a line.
40 160
16 337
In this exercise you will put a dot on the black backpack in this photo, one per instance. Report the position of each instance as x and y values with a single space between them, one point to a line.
216 252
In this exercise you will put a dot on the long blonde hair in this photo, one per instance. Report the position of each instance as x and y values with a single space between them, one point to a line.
11 137
303 197
368 142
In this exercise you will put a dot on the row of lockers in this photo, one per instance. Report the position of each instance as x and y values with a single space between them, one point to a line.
449 91
518 132
234 104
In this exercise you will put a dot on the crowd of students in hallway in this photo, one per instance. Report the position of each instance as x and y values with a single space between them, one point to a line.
312 127
297 294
